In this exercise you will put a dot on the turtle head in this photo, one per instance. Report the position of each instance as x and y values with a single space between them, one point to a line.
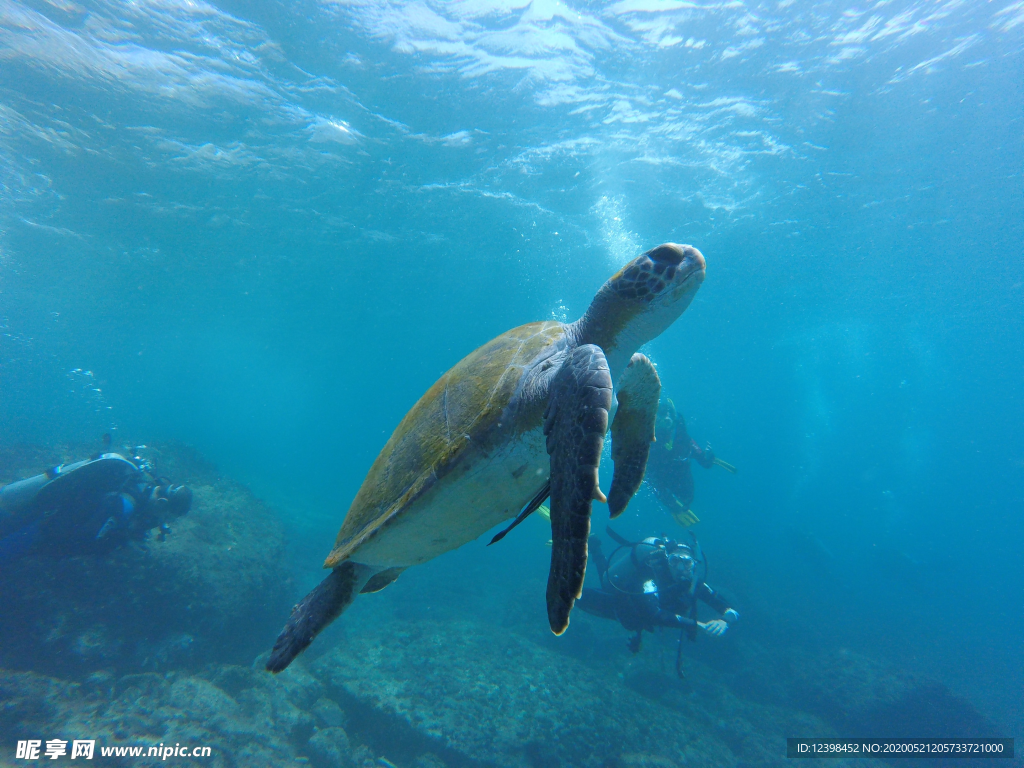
640 301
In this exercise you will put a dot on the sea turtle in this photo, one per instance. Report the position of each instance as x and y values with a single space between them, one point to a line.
521 418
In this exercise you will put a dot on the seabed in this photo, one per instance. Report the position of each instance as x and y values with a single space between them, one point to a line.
165 644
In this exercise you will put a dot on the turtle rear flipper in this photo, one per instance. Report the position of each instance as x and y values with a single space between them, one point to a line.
575 424
380 580
633 430
318 609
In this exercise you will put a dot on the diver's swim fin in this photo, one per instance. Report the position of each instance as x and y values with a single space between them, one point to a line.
685 518
726 466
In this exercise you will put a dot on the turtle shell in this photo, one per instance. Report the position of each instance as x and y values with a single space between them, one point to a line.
463 420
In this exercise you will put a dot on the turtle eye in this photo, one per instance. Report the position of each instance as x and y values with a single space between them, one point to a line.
669 254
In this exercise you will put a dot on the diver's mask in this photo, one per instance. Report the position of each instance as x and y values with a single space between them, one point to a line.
665 426
681 565
172 500
665 431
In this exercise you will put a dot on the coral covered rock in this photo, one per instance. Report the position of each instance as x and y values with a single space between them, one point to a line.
467 692
259 721
863 695
330 748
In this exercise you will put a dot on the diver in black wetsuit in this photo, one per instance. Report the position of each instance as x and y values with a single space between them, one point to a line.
669 470
652 583
91 506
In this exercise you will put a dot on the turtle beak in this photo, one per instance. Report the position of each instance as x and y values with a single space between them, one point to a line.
683 260
686 262
687 259
693 259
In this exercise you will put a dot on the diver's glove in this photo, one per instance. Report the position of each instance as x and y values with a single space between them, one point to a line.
164 530
715 627
730 616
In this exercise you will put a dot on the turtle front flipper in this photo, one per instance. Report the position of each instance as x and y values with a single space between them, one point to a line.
633 430
575 424
318 609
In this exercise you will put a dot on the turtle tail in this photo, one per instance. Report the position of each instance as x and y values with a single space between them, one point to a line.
317 609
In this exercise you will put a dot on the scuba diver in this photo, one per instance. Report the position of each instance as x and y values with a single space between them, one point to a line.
669 473
91 506
651 583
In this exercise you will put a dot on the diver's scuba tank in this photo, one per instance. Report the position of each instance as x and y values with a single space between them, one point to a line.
17 503
633 559
23 500
626 562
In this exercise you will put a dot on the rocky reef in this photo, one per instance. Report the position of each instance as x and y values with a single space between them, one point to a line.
203 593
471 694
428 694
422 695
164 645
247 717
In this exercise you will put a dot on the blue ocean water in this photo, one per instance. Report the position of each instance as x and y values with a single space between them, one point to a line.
264 229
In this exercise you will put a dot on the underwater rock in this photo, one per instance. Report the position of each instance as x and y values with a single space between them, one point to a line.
329 748
422 695
418 694
203 699
841 683
858 694
853 693
246 716
155 605
29 701
633 760
474 694
328 714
